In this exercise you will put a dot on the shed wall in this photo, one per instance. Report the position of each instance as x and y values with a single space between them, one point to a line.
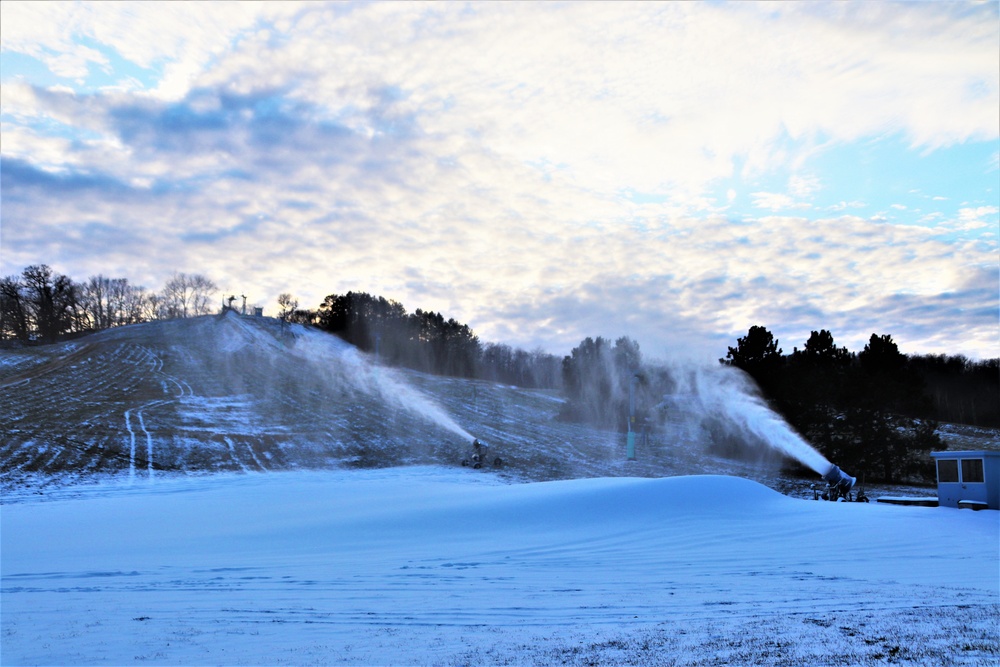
950 493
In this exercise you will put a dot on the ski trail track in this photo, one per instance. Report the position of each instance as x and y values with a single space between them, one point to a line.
149 436
253 455
151 365
146 433
183 390
232 453
131 435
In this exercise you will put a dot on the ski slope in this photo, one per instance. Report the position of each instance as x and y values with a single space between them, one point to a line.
445 566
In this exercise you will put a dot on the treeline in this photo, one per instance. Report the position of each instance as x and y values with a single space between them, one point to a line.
935 387
960 390
876 410
40 305
424 340
43 306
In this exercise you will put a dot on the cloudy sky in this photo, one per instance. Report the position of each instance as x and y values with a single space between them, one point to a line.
674 172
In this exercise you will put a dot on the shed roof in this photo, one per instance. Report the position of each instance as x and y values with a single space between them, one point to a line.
965 455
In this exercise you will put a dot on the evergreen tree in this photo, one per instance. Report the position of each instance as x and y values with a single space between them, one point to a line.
758 354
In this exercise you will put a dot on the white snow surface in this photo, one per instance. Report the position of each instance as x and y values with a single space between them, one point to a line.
430 565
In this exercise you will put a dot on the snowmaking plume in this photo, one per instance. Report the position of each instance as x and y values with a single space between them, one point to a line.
357 371
729 395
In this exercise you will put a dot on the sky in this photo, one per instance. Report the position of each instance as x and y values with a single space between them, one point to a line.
673 172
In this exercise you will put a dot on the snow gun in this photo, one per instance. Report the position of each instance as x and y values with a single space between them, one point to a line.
839 483
480 455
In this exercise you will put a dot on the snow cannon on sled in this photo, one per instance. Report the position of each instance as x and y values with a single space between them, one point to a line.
479 455
839 485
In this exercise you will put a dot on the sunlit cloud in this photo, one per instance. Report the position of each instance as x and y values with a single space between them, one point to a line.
542 171
776 201
976 218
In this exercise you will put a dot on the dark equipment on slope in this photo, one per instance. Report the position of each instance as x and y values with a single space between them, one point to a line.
838 487
480 455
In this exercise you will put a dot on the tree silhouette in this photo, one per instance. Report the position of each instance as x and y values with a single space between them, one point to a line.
758 354
52 301
288 305
881 356
821 352
188 296
423 340
13 310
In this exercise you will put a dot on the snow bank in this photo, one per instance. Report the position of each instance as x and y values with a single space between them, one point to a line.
440 566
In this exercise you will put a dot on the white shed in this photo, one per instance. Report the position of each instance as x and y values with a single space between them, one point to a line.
968 479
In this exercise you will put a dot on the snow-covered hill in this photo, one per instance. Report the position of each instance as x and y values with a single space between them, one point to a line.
199 395
431 565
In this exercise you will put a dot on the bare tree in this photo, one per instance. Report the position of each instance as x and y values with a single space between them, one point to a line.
188 295
94 295
13 310
288 305
152 307
134 305
112 302
52 300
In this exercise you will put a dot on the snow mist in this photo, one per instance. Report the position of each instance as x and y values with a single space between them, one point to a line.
357 371
729 394
334 363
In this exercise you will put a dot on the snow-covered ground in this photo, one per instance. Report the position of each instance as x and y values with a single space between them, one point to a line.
449 566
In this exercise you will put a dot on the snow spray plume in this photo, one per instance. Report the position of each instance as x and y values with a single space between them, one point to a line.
730 395
356 371
598 378
334 363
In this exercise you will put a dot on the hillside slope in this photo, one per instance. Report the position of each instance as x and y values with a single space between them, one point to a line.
230 393
203 394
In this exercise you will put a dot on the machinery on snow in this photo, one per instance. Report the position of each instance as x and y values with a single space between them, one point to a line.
479 455
838 487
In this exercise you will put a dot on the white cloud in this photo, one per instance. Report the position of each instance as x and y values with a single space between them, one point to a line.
843 206
776 201
470 158
653 111
804 186
51 153
180 37
979 217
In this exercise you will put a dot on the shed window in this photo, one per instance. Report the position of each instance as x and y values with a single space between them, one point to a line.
972 471
947 470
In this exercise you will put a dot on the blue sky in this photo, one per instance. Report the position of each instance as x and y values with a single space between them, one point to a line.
675 172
